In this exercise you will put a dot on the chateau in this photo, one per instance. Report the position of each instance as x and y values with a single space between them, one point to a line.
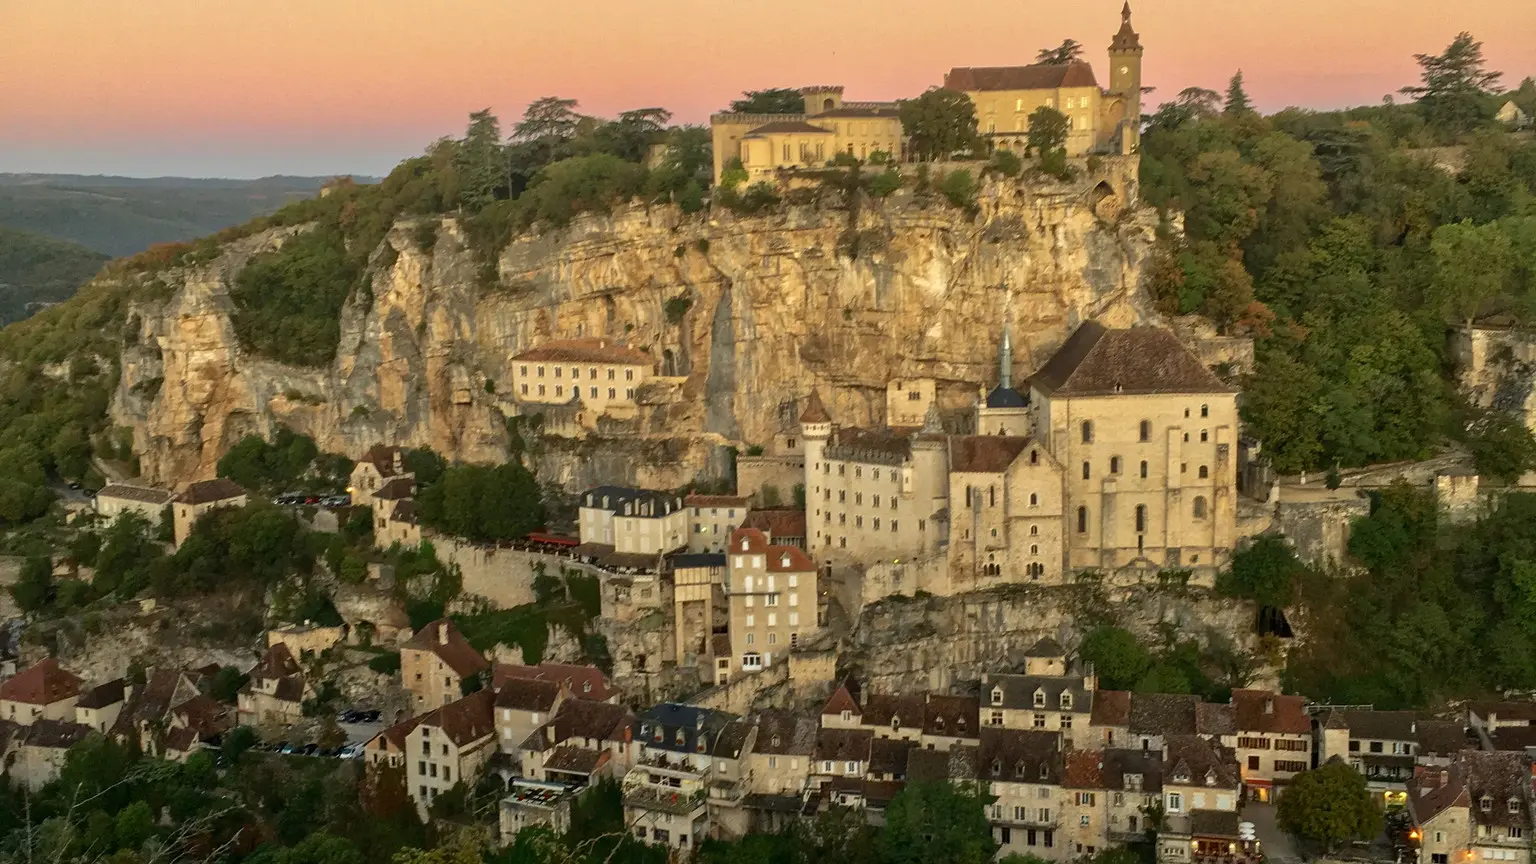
1100 119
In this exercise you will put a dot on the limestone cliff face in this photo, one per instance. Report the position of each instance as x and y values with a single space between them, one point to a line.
809 296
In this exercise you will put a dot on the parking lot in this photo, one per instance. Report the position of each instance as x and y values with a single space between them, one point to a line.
360 727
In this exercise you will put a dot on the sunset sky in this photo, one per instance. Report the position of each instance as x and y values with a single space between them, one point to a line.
245 88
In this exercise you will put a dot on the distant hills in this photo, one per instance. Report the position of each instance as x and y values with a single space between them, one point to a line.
37 270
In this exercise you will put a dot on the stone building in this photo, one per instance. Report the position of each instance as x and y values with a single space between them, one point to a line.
1274 740
666 793
1004 410
117 498
772 595
1476 809
199 498
712 518
599 375
99 706
633 521
768 143
434 664
1005 514
1106 120
379 465
275 692
43 691
449 745
1201 790
1045 697
698 602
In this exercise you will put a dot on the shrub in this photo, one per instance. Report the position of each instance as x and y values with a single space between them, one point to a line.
564 189
734 175
386 664
1007 163
757 198
677 307
426 234
959 188
883 184
288 302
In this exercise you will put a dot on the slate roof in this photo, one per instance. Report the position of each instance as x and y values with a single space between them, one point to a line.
1019 692
599 721
42 683
586 351
405 512
697 560
57 734
645 502
679 728
1020 755
777 524
1120 763
1509 738
455 652
1448 737
397 489
1264 711
732 739
103 695
1040 76
1097 361
815 411
1126 38
1498 779
526 694
583 682
466 720
785 733
1111 708
886 446
958 763
954 716
843 745
1196 761
210 491
880 709
984 454
787 126
1379 725
1006 397
1164 714
143 494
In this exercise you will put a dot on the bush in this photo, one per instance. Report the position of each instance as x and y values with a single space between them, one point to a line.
1006 163
759 197
734 175
257 465
483 503
959 188
564 189
386 664
883 184
677 307
288 302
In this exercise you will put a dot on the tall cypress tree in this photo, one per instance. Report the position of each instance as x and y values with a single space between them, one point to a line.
1237 97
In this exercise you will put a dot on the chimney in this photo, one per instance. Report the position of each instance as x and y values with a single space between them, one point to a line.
442 633
1445 777
399 460
1269 704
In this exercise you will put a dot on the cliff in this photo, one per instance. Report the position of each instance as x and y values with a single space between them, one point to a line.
807 296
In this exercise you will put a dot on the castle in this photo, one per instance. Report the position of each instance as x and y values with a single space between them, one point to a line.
1121 454
1100 120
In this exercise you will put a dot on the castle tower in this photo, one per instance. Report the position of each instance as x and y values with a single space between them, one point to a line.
1125 79
816 430
1004 411
929 470
822 98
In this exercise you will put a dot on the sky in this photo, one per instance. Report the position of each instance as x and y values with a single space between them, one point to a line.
249 88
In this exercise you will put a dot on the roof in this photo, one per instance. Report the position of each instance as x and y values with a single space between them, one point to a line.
695 500
276 662
210 491
1097 361
815 411
955 716
103 695
887 446
1019 692
382 457
1164 713
1024 755
777 523
1448 737
145 494
466 720
584 718
1119 765
586 351
1193 760
1084 770
1046 647
204 715
843 745
747 540
889 756
1111 708
859 111
785 733
181 740
840 701
152 702
1511 738
984 454
680 728
627 501
583 682
1263 711
406 513
732 740
1498 779
697 560
442 637
574 760
42 683
789 559
1213 823
1006 397
1215 719
883 710
958 763
779 127
1126 38
528 694
58 734
1432 791
397 489
1505 710
1378 725
397 733
1041 76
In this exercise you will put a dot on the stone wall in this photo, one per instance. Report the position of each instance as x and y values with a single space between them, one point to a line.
783 473
1318 525
738 695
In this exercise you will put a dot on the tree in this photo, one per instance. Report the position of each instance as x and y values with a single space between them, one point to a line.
1265 572
1117 657
1237 98
1048 130
134 825
548 119
1472 265
481 162
1068 51
1330 805
940 123
226 684
1502 447
937 822
1455 85
959 187
778 100
34 588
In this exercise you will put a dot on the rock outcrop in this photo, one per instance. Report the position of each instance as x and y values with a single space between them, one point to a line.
808 296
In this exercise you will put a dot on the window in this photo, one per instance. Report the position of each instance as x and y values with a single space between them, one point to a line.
1146 431
1039 722
1141 518
1066 702
1175 802
995 718
1034 499
1205 410
1083 820
1290 765
1082 520
1087 431
1086 471
1200 507
997 695
1205 472
1114 464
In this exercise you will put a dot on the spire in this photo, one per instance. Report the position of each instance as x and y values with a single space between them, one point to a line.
1005 360
1127 39
932 425
815 412
1125 12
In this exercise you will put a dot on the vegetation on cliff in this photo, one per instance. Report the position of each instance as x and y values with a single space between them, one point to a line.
36 271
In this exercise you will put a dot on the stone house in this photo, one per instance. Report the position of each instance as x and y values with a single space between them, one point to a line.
599 376
1201 789
893 716
42 749
275 692
950 721
839 754
378 466
403 526
1274 740
712 518
1044 698
387 748
632 521
780 761
782 527
1381 745
729 783
98 707
1133 782
523 705
1005 513
580 682
1477 808
194 723
531 803
584 740
449 746
666 793
199 498
434 664
43 691
698 602
842 710
1110 721
117 498
386 500
769 143
772 595
145 717
1024 770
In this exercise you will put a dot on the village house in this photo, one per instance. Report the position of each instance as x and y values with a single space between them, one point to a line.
1024 770
1381 745
388 747
387 500
772 595
403 526
779 763
1045 697
199 498
666 793
99 706
434 664
450 744
598 376
197 722
584 741
580 682
1201 790
698 601
115 499
43 691
712 518
531 803
41 749
1478 808
766 144
730 755
636 522
145 716
782 527
1274 740
276 690
379 465
523 705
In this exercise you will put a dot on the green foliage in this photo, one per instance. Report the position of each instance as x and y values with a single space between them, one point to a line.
1329 805
257 465
226 684
34 588
1454 86
1117 657
1237 103
939 124
483 503
1266 572
883 184
585 183
426 234
759 197
677 307
386 664
937 822
959 188
1068 51
1006 163
773 101
733 175
1502 447
37 270
288 302
425 464
1048 130
257 546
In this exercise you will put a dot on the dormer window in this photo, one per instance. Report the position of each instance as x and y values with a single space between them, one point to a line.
1486 804
657 736
775 741
846 716
959 723
743 544
1018 770
895 723
997 695
1066 701
784 562
1045 771
1514 805
938 723
1039 698
997 767
679 738
1210 778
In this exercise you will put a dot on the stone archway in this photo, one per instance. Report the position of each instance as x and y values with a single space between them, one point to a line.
1105 202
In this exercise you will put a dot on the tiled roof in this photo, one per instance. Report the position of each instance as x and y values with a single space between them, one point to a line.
442 637
1164 713
732 740
697 560
843 745
1263 711
1019 692
1213 823
1434 790
1020 755
1041 76
953 716
1046 648
1505 710
788 126
785 733
840 701
526 694
383 458
870 445
777 524
42 683
405 513
583 682
1215 719
466 720
1096 361
600 721
56 734
789 559
1449 737
397 489
204 715
397 733
1084 770
586 351
575 760
210 491
103 695
143 494
1111 708
696 500
889 756
1499 787
815 411
181 740
277 662
984 454
747 540
1509 738
957 763
881 710
644 502
1119 765
1196 761
1379 725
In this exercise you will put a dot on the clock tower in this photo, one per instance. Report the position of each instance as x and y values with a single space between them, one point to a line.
1125 79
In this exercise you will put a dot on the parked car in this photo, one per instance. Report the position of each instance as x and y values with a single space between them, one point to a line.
337 501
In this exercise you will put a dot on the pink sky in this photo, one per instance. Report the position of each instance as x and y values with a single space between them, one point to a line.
253 87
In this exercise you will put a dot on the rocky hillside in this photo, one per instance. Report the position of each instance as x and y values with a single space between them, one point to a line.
804 296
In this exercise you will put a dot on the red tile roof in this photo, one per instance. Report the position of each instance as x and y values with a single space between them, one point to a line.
466 720
984 454
841 701
1263 711
442 637
582 682
42 683
383 458
789 559
1111 708
815 411
1084 770
1041 76
747 540
777 524
210 491
586 351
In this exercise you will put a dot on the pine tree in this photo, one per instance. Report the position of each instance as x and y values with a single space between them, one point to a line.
1237 97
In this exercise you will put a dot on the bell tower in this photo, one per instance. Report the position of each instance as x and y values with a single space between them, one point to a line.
1125 78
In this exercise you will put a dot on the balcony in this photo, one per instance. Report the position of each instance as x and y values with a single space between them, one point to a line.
1031 820
660 799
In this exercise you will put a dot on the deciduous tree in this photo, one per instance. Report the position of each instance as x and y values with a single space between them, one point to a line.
1066 52
939 123
1329 805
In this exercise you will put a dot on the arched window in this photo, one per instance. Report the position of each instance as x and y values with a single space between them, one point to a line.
1034 500
1082 520
1205 410
1146 430
1034 530
1087 472
1034 457
1034 550
1204 472
1143 469
991 496
1114 464
1087 431
1141 517
1199 506
1204 436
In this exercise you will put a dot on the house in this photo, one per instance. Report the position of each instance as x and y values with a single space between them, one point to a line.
43 691
195 722
276 690
118 498
1045 697
99 706
949 721
144 718
403 526
387 500
729 783
1379 744
1477 808
42 749
580 682
199 498
779 763
1201 788
584 740
449 746
766 144
532 803
435 663
1512 116
1005 513
523 705
388 747
892 716
712 518
378 466
633 522
1274 740
1024 769
1109 723
698 600
772 595
599 375
840 753
666 794
782 527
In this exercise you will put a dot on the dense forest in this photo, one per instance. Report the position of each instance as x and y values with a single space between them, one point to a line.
36 271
